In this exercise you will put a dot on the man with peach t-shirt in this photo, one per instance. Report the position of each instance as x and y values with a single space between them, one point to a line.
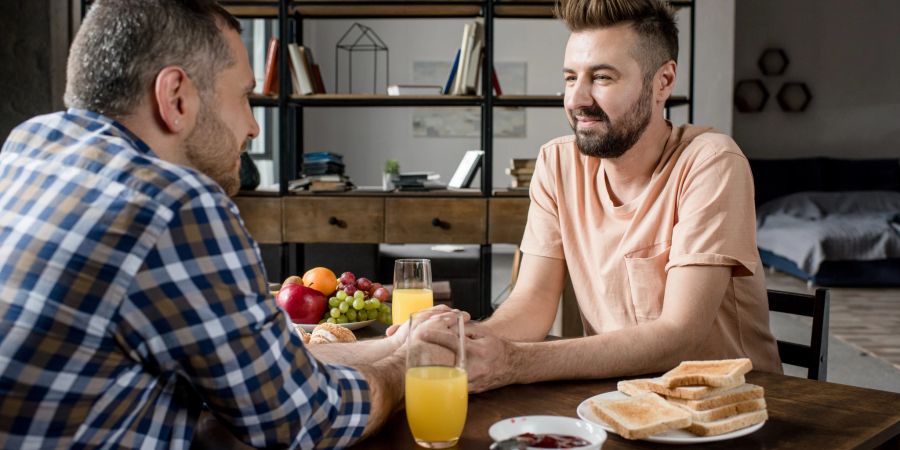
654 223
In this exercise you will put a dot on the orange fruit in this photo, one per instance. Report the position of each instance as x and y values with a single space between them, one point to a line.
320 279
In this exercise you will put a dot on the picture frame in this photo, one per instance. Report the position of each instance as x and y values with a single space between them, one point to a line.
465 172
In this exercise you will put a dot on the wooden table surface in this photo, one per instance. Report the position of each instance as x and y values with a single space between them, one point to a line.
803 414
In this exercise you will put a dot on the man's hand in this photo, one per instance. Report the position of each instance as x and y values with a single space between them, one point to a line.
490 360
400 332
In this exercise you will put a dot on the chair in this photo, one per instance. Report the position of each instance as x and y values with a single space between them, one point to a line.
814 357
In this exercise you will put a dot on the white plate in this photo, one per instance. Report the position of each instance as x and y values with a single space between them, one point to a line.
570 426
669 437
350 326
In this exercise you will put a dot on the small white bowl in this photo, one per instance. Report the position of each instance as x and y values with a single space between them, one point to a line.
515 426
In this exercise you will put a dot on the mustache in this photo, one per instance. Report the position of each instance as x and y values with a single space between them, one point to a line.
593 113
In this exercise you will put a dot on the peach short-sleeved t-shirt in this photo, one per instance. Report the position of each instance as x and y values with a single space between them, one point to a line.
696 210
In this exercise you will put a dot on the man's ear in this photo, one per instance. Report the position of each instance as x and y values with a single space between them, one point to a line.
176 98
664 81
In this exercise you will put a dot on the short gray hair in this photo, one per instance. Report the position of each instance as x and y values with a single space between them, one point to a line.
123 44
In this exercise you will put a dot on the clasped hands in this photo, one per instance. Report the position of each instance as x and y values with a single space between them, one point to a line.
489 358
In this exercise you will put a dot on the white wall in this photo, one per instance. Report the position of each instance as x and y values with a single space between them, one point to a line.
368 136
714 73
847 53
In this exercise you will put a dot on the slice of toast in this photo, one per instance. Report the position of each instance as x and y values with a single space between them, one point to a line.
741 393
658 385
728 424
725 411
640 416
724 372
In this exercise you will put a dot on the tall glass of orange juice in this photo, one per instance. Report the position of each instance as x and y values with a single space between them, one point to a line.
412 288
436 381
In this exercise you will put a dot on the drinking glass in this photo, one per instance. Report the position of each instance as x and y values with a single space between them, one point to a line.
436 381
412 288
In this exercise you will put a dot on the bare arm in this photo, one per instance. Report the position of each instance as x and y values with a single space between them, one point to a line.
692 298
386 380
355 353
528 312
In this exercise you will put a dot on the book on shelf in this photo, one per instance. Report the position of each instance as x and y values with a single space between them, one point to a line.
317 79
414 89
323 156
270 79
495 82
303 84
473 66
448 87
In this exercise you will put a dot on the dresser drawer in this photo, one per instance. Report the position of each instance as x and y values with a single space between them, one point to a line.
506 220
262 217
435 220
333 219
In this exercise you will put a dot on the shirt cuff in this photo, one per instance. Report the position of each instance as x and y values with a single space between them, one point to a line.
739 267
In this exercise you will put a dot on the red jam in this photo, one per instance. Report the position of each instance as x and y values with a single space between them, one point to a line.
551 440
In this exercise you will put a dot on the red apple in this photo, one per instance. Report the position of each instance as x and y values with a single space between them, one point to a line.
302 304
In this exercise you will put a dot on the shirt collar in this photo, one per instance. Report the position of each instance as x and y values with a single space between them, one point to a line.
123 131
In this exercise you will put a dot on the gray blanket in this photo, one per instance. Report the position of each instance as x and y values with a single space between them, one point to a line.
809 228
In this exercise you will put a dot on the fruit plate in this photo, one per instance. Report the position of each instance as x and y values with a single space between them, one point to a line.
350 326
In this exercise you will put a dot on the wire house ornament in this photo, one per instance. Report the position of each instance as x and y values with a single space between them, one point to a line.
360 38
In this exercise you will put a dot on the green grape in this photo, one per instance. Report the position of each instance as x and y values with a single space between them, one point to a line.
358 303
370 305
344 306
321 321
342 319
335 313
331 320
385 308
376 303
334 302
361 315
341 295
359 294
351 315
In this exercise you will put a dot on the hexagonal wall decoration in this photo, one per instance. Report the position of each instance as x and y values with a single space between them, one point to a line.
773 61
750 96
794 96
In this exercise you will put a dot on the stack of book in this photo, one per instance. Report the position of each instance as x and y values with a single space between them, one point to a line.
306 76
418 181
322 172
520 172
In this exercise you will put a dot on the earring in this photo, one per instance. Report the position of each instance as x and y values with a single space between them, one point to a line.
177 122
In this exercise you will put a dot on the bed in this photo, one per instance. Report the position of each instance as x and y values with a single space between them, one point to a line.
831 222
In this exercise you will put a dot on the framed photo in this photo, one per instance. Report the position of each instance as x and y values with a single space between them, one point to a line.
465 173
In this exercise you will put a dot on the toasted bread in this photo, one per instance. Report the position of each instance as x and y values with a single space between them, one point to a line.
707 373
658 385
733 409
728 424
640 416
741 393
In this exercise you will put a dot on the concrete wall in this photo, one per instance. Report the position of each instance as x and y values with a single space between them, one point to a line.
25 62
847 52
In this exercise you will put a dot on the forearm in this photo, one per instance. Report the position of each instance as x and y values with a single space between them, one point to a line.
650 348
387 382
353 353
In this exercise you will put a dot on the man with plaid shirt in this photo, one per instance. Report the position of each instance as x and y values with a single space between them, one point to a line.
130 292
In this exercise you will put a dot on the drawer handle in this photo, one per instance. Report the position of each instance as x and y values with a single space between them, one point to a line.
439 223
334 221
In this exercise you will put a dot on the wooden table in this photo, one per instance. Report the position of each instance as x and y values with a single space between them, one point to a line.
803 414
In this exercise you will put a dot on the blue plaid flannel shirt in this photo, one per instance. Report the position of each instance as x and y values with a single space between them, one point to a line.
131 294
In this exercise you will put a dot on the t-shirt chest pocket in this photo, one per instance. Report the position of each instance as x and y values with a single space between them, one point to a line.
647 279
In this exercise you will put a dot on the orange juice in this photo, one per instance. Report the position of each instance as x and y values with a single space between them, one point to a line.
407 301
436 402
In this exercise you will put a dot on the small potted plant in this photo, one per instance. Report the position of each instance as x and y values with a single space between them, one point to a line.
391 171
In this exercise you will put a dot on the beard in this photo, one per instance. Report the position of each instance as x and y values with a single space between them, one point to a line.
213 150
619 136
